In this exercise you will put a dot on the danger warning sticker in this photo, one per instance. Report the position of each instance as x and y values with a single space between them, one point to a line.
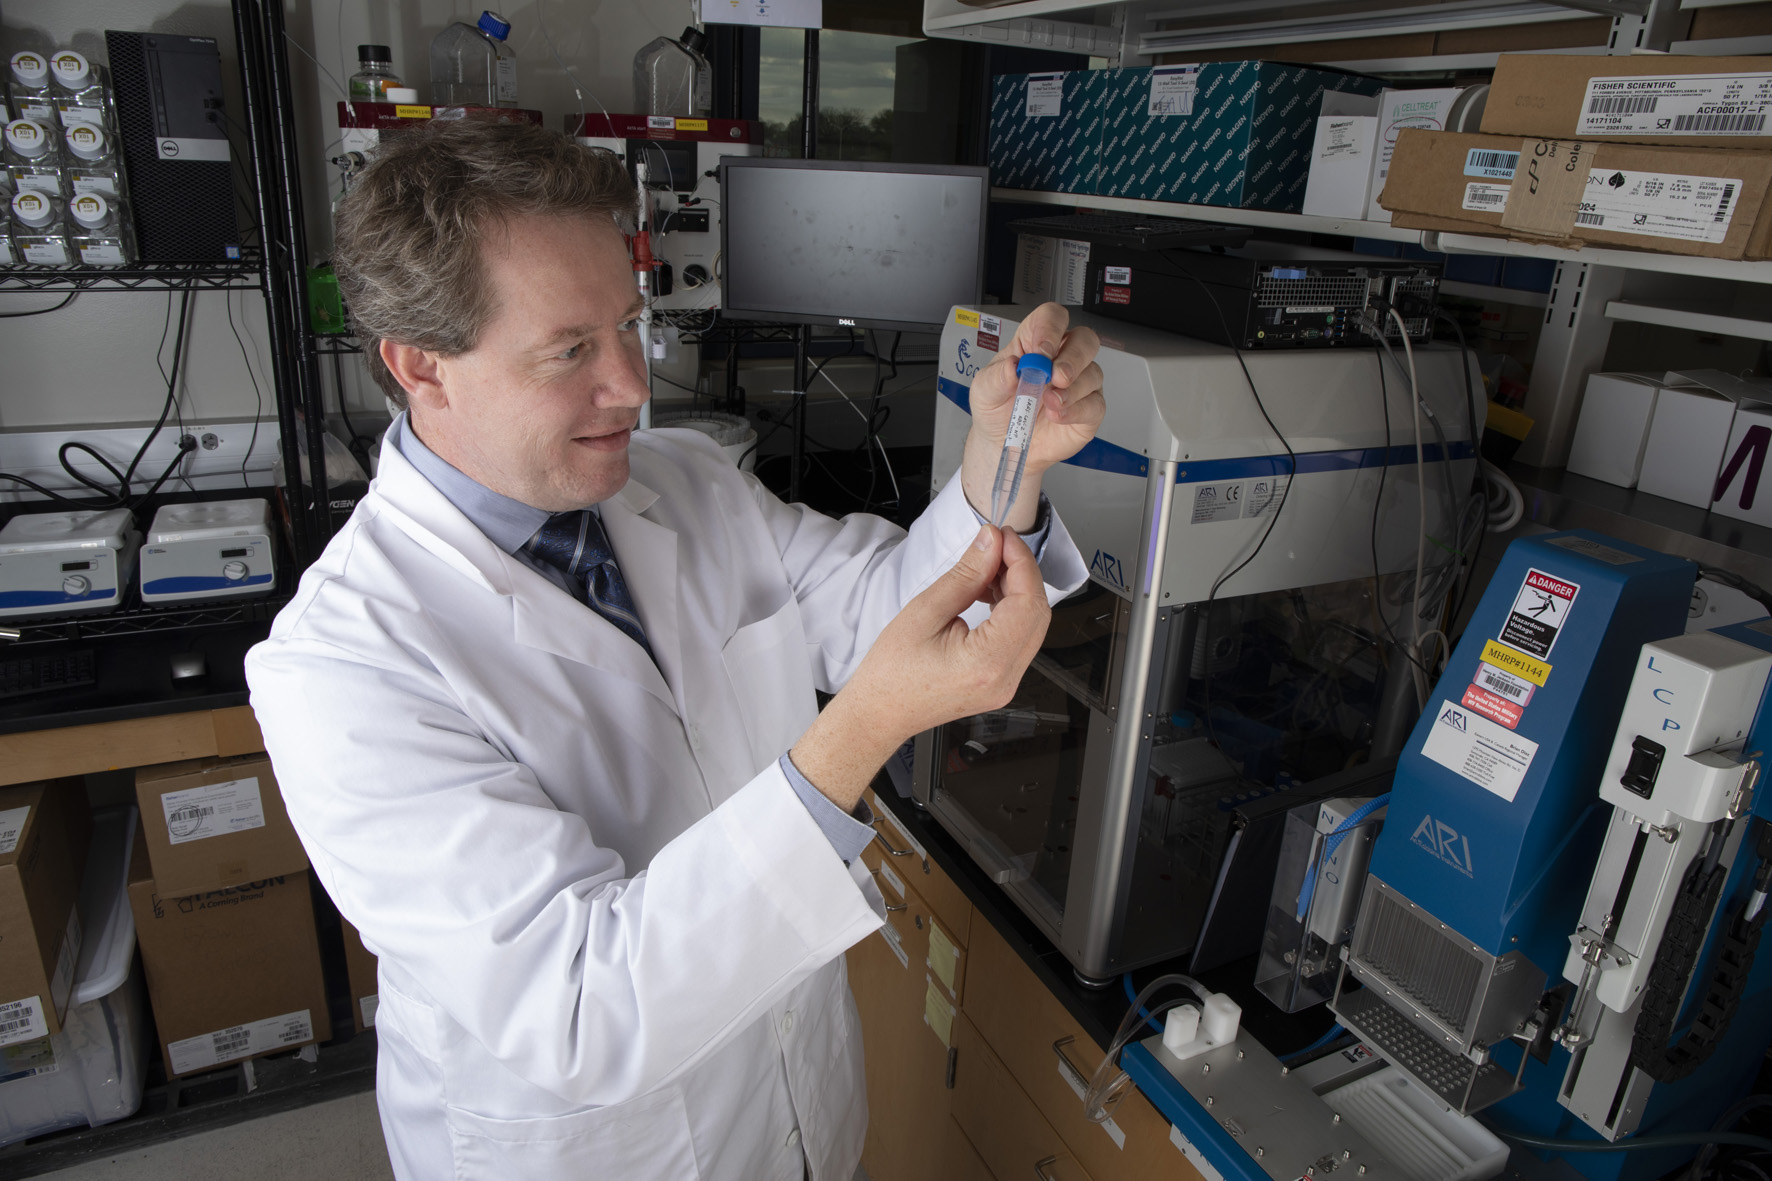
1496 709
1538 614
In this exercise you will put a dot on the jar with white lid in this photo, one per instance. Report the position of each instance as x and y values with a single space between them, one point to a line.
99 232
80 89
93 165
29 87
38 229
33 156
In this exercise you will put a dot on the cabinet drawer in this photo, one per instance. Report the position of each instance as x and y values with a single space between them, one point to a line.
941 891
999 1119
962 1160
1046 1051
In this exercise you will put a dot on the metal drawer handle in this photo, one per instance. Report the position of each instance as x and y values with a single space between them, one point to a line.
1058 1048
1040 1167
887 845
889 906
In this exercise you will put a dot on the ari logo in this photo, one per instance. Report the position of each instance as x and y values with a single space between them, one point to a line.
1455 718
1107 568
1444 842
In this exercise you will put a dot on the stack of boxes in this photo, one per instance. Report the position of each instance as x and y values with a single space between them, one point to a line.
64 178
1661 153
1235 134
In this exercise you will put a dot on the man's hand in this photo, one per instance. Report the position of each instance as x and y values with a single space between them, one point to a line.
928 667
1068 417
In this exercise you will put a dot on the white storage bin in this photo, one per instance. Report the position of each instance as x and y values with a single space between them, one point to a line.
93 1071
1418 1136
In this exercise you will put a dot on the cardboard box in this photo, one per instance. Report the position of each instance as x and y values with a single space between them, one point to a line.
1234 133
1741 489
360 968
1719 102
1616 411
45 829
1400 110
232 973
1697 201
1046 131
1343 156
1687 435
213 823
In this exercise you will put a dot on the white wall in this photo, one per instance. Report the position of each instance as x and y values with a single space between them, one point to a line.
92 363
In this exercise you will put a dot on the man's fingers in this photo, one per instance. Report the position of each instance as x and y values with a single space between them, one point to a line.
1043 331
968 581
1076 356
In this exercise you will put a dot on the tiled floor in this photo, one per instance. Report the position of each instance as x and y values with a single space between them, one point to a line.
339 1140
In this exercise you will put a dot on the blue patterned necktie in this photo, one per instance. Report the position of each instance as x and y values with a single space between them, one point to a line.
574 542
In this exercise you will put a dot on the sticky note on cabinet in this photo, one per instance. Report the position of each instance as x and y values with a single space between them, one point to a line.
944 957
938 1013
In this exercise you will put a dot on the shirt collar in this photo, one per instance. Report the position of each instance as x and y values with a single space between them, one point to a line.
508 523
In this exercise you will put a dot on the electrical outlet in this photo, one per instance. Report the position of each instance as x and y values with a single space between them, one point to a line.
223 447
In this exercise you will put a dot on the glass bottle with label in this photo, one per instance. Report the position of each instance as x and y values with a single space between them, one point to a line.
100 234
671 77
80 89
92 162
29 87
38 230
473 66
33 160
375 74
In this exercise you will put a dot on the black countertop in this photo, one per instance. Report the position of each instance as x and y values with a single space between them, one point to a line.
1099 1011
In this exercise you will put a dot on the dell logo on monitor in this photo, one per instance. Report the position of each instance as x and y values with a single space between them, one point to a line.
845 323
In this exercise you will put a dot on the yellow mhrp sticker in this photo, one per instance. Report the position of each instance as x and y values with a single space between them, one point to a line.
1518 663
407 111
965 319
692 125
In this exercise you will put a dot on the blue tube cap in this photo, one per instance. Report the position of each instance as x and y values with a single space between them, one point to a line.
495 25
1037 362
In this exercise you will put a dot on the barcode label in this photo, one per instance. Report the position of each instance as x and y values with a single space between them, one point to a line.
1491 164
191 813
240 1041
1658 204
1705 124
1590 219
1485 198
1722 214
1619 104
1504 684
213 810
20 1021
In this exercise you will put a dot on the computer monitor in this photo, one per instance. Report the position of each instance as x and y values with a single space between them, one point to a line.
847 243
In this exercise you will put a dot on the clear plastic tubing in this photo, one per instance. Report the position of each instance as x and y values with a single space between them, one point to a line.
1033 374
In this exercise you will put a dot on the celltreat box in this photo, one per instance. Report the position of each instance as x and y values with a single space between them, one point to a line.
1694 413
1235 133
1400 110
216 549
1720 102
1046 130
45 830
1696 201
1342 156
213 823
231 973
360 968
1613 429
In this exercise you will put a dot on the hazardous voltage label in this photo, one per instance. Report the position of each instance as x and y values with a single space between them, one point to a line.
1538 613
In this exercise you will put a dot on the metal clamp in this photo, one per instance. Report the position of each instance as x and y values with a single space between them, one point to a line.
889 906
886 844
1040 1167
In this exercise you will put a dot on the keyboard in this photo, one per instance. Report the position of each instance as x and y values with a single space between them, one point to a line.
1133 232
21 676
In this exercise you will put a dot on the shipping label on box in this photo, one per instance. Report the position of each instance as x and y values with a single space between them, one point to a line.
1652 98
1677 104
214 823
240 1041
213 810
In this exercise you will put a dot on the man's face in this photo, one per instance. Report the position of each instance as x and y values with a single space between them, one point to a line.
542 408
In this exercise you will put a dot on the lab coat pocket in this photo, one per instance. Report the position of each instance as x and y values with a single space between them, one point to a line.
770 668
644 1139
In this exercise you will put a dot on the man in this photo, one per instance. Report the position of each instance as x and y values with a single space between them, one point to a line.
564 769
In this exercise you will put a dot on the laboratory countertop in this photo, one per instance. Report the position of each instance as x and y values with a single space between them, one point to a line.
1098 1011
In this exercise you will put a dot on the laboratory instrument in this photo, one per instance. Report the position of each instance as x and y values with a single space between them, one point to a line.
672 76
473 65
851 245
1033 373
1227 649
1264 295
682 159
214 549
61 563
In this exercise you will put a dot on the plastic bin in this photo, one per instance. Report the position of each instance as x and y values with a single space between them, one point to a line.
1424 1141
93 1071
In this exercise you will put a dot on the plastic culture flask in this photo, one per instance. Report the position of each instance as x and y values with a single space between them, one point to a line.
473 66
79 90
92 161
32 160
29 87
1033 374
98 233
37 229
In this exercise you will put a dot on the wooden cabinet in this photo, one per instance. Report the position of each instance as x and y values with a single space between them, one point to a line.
1000 1120
963 1161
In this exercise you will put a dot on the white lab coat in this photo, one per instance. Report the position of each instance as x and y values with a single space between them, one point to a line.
610 933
